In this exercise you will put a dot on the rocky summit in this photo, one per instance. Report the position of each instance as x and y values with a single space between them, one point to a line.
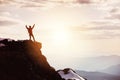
23 60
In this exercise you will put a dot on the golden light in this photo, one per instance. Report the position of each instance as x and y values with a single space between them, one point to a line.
61 36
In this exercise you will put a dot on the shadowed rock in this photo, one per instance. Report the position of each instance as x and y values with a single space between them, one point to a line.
23 60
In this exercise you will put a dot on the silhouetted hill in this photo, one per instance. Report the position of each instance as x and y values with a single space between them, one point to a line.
97 75
23 60
94 63
115 70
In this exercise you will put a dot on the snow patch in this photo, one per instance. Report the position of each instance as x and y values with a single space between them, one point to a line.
69 74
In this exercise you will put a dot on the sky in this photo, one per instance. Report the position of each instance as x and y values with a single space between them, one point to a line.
66 28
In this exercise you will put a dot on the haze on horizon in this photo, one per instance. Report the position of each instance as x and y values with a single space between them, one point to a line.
67 28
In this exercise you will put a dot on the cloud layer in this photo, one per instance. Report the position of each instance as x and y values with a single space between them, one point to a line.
5 21
41 3
103 15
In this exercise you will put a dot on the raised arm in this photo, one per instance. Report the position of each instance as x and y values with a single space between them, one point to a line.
26 26
33 26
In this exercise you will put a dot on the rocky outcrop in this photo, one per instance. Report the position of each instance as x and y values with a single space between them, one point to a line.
69 74
23 60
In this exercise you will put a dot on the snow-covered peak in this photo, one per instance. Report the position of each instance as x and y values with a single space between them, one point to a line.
69 74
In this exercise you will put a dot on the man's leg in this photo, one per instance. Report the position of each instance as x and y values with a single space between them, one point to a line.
29 37
33 37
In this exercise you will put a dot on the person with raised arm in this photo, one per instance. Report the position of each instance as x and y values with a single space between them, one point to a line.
30 28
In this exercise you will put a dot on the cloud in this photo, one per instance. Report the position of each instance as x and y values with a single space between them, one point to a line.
97 28
113 10
114 16
5 13
6 1
5 21
31 4
71 1
108 27
41 3
83 1
98 33
114 13
105 25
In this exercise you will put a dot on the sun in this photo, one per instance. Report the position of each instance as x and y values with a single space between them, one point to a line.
60 36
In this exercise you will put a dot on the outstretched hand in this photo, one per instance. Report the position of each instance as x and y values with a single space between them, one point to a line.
26 26
33 26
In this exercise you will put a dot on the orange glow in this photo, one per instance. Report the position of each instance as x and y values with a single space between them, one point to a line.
61 36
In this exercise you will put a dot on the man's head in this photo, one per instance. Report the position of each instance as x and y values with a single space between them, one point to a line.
29 26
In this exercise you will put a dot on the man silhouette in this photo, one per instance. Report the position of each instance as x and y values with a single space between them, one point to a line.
30 31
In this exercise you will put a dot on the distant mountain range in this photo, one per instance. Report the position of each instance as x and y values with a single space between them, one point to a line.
96 63
99 68
114 70
110 73
97 75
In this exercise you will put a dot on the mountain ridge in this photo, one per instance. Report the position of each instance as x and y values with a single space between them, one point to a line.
114 70
95 63
95 75
23 60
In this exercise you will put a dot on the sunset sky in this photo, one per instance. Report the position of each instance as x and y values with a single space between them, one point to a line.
66 28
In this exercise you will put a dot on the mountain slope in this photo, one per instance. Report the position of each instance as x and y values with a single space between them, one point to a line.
23 60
